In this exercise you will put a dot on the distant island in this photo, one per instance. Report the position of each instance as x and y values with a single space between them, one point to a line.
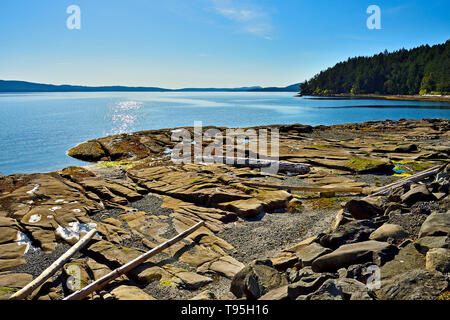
7 86
421 71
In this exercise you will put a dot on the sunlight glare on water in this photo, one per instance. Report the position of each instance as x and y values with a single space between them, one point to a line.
37 129
124 116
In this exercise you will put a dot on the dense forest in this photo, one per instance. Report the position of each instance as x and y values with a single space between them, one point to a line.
422 70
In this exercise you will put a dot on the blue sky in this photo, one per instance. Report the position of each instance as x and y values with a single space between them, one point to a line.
203 43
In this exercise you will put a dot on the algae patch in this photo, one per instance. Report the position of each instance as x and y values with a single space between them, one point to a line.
360 164
405 168
115 164
326 203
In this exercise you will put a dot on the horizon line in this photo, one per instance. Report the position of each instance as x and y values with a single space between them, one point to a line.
242 87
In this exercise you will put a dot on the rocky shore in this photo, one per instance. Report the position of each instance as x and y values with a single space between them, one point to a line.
258 242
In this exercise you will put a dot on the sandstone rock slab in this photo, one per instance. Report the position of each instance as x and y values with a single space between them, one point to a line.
355 253
437 224
388 231
438 259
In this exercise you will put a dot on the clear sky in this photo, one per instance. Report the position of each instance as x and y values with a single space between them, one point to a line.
203 43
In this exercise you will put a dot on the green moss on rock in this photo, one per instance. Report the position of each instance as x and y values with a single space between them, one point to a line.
364 165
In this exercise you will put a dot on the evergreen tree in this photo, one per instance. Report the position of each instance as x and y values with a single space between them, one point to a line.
422 70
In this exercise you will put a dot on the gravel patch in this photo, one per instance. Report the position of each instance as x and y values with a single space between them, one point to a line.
272 233
38 260
220 287
410 222
413 220
151 204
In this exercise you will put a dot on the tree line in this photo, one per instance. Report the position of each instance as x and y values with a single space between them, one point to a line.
421 70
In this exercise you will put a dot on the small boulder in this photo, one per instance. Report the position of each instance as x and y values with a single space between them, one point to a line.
406 148
419 193
359 272
191 280
10 283
361 209
280 293
394 206
438 259
125 292
437 224
294 206
351 232
413 285
307 285
426 243
355 253
407 259
340 219
284 260
395 194
257 279
354 290
225 266
88 151
388 231
244 208
308 254
330 290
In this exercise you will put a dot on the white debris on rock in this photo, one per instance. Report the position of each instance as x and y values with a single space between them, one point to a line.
35 218
34 190
74 230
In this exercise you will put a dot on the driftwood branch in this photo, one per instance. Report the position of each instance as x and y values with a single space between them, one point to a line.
100 283
414 178
367 191
300 168
29 288
310 189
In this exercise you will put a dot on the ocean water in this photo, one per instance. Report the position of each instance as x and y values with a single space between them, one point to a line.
37 129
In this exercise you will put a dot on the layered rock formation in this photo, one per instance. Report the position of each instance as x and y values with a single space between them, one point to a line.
137 198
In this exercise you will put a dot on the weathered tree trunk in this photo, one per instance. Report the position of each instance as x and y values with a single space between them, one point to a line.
29 288
100 283
300 168
310 189
414 178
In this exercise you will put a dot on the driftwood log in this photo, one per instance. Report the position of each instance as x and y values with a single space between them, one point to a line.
367 191
285 166
411 179
358 190
29 288
100 283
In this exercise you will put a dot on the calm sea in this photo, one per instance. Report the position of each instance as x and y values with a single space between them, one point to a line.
37 129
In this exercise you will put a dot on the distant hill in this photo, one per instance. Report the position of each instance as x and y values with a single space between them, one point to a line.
291 88
422 70
23 86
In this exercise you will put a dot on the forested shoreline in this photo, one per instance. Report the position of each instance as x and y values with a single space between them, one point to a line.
421 70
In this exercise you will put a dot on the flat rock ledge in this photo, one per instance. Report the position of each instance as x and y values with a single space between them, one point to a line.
257 242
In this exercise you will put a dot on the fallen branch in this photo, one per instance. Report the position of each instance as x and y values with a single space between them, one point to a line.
359 190
414 178
29 288
368 191
100 283
300 168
